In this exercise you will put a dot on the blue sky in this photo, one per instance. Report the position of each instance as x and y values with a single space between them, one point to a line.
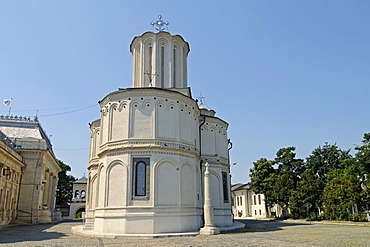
282 73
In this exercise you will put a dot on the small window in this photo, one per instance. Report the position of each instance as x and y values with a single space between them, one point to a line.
259 199
83 194
254 200
260 212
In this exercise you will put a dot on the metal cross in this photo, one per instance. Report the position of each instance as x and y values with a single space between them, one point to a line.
151 76
201 98
160 24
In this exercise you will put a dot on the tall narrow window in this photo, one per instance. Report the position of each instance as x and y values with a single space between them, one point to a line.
150 60
141 178
225 187
162 66
259 199
150 72
174 67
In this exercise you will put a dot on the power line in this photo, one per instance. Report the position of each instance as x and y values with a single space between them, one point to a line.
67 112
70 149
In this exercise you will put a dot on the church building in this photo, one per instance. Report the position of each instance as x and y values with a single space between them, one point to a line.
153 145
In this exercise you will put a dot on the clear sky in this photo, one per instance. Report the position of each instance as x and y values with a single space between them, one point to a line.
282 73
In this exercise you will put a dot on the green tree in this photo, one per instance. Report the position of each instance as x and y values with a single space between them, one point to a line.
287 176
362 157
308 194
260 176
325 159
341 194
65 190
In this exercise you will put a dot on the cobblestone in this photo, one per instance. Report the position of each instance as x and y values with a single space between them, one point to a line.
256 233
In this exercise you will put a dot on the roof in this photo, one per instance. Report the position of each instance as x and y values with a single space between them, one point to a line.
240 186
82 180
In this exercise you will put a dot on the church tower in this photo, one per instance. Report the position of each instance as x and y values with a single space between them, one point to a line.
149 148
159 60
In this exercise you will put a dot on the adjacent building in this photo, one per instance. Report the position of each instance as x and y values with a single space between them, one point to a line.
78 203
247 203
29 172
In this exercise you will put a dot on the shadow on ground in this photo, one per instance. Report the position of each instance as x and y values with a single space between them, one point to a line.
25 233
264 226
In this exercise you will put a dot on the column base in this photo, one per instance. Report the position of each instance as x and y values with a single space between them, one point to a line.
209 230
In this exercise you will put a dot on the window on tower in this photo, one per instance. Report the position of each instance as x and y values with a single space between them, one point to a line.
141 178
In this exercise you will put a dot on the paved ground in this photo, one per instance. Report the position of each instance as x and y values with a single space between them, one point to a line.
256 233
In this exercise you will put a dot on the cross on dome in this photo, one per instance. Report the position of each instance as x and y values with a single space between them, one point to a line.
160 24
201 98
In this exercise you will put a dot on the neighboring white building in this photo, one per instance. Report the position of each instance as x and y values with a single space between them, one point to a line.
246 203
77 206
149 148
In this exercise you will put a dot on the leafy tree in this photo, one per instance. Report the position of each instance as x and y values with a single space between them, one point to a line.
363 159
288 174
341 193
307 194
65 190
260 176
325 159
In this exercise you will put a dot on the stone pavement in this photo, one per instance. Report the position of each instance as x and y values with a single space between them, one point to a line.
256 233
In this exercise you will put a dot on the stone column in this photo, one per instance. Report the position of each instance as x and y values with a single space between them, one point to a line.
209 228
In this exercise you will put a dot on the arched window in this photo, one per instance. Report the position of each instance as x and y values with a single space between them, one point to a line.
141 178
162 65
174 66
77 194
83 194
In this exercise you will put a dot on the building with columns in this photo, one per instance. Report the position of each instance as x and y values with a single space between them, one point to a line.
149 148
29 172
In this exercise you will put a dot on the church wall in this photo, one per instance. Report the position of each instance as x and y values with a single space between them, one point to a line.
141 125
167 116
214 138
167 190
101 186
117 184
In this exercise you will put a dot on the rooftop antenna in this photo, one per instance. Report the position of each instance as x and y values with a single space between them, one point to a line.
160 24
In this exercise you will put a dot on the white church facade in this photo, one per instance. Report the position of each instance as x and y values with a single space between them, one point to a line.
149 148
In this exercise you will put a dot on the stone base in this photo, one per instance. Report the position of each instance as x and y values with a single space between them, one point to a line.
44 216
207 230
57 216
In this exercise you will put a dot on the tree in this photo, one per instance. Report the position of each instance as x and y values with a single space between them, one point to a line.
307 194
288 174
260 176
325 159
65 190
341 194
363 159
